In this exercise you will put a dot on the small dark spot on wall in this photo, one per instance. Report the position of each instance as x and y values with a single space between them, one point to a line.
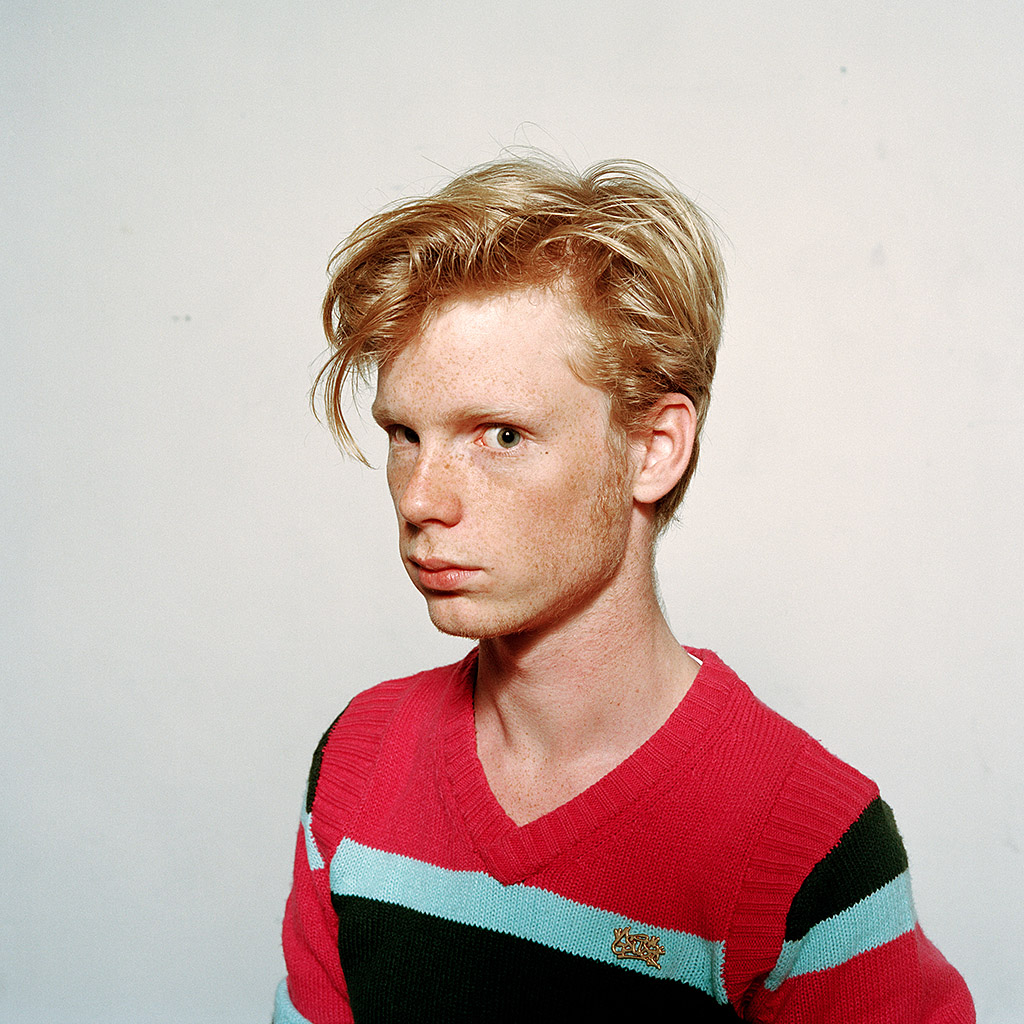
181 317
842 71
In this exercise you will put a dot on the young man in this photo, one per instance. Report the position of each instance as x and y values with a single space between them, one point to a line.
582 818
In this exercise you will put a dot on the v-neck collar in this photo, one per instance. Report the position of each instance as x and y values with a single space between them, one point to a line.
511 852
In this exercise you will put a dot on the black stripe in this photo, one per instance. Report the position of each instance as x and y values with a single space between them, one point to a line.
402 965
869 855
314 768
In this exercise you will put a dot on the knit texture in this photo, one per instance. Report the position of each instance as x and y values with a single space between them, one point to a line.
729 869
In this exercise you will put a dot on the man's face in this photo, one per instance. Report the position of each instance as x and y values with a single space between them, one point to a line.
513 498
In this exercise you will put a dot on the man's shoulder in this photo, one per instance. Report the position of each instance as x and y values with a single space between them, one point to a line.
379 726
770 751
351 747
376 705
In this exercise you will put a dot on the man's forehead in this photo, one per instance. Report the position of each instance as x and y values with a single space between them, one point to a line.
515 335
549 320
479 388
483 353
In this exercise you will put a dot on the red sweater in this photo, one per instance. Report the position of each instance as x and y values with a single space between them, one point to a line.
729 869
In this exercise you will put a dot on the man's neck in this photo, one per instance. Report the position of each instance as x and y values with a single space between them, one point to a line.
555 712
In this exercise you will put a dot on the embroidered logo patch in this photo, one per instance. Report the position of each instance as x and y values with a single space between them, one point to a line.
637 946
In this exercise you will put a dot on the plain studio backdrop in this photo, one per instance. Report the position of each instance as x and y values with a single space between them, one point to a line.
194 582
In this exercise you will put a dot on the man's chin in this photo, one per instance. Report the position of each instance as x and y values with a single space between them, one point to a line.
471 623
471 631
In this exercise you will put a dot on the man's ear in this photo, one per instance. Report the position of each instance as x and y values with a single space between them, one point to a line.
665 442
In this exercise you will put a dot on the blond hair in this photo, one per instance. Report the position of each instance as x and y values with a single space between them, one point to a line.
639 257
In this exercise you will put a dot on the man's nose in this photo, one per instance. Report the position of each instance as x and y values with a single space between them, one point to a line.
431 492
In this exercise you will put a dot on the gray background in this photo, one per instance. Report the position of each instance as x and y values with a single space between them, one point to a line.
194 582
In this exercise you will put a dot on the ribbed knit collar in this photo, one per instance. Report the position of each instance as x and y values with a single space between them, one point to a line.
512 853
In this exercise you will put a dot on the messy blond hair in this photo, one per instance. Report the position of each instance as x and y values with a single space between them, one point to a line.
639 258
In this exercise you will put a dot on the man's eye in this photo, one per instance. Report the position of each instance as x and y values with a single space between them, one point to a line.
403 435
502 437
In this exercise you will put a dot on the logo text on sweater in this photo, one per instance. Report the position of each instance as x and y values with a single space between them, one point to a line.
628 945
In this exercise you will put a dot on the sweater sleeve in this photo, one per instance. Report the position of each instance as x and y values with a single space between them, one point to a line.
853 949
314 991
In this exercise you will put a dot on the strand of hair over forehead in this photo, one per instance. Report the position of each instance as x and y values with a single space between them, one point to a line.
518 222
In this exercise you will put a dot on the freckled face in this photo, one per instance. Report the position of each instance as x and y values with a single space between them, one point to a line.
514 507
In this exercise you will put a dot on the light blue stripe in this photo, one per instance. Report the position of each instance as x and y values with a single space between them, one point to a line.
284 1012
877 919
475 898
316 862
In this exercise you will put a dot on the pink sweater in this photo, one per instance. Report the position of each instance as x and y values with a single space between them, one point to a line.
730 869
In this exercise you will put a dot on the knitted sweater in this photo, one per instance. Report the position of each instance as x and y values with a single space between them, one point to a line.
730 869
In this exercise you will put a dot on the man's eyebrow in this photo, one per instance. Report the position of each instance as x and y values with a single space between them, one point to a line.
490 413
496 413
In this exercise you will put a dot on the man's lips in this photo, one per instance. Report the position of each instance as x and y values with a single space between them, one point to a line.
439 575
